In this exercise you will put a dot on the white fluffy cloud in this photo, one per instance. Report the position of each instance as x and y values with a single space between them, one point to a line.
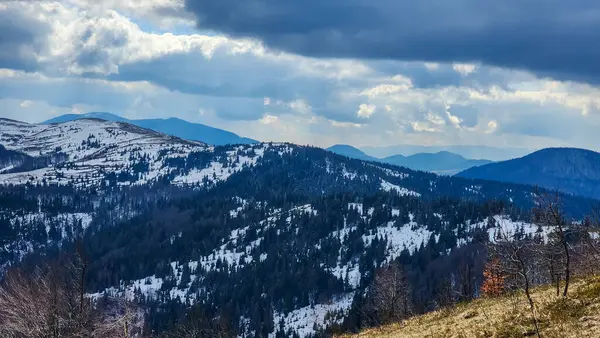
365 111
454 120
491 127
26 104
268 119
464 68
143 58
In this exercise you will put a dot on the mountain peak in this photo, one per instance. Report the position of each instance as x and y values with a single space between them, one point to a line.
352 152
447 153
571 170
442 162
171 126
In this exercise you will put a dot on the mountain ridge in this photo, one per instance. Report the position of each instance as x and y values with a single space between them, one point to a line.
467 151
442 162
572 170
172 126
282 238
352 152
92 144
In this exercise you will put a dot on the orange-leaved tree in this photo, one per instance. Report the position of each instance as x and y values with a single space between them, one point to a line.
493 282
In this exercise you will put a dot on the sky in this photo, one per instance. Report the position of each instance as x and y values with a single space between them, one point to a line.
512 73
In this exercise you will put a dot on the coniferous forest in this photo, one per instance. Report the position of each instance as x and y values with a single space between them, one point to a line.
263 240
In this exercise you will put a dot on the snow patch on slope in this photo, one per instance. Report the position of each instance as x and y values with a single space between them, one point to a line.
387 186
410 236
304 320
150 286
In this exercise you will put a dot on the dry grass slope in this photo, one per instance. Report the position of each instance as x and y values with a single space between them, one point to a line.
508 316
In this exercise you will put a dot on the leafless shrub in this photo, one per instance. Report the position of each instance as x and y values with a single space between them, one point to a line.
199 324
549 214
389 297
50 302
517 259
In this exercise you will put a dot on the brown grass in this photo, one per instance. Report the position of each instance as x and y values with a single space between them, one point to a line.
508 316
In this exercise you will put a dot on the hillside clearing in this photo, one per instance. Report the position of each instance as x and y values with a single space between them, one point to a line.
508 316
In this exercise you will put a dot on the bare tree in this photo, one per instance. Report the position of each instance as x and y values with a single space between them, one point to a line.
389 297
515 256
118 317
549 214
552 262
588 232
50 302
199 324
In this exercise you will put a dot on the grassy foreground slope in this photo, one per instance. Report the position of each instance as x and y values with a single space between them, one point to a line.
508 316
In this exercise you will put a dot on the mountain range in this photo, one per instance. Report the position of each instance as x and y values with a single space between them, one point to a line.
275 239
352 152
571 170
467 151
170 126
442 162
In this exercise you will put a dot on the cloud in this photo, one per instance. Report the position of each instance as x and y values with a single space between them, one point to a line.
365 111
22 38
464 68
491 127
454 120
165 14
544 37
435 119
345 124
418 126
26 104
301 106
432 66
111 46
106 56
268 119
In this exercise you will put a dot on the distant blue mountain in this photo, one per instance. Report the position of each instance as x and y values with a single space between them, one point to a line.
442 162
571 170
172 126
352 152
102 116
466 151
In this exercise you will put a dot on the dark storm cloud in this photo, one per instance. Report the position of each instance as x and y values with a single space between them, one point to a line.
64 93
228 76
21 37
551 38
97 53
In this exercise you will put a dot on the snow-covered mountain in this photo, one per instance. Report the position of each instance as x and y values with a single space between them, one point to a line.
100 153
80 138
171 126
284 239
97 152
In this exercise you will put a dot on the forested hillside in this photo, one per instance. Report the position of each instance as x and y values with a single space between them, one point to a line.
273 239
571 170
